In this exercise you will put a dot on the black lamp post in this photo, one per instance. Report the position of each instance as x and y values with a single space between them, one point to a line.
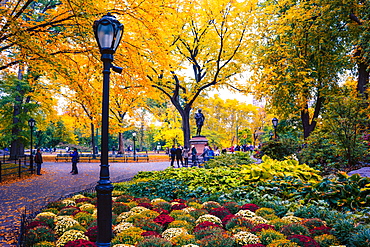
31 123
134 139
275 122
108 31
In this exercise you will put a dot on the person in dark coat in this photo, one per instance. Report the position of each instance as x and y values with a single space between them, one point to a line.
193 156
38 161
172 155
179 156
75 158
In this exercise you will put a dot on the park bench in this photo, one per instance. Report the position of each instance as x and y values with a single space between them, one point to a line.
137 157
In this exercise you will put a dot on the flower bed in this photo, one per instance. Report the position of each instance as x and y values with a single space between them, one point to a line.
157 222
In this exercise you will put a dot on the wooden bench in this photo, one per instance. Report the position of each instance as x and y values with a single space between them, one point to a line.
137 157
63 157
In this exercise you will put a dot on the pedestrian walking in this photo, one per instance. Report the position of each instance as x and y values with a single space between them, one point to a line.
193 156
75 159
38 161
185 154
172 155
179 156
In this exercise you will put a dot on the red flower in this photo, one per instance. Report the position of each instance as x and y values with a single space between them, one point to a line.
145 205
178 206
303 241
250 206
80 243
259 227
150 233
227 218
178 200
160 210
220 212
320 230
205 224
163 219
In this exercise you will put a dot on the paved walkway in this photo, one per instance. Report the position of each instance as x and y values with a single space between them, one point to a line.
56 181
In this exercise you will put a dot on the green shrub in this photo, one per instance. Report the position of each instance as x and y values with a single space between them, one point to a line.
153 241
230 160
131 235
39 234
217 240
282 243
84 219
326 240
295 229
268 235
361 237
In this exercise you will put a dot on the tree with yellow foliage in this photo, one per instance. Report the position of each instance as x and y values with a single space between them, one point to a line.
186 48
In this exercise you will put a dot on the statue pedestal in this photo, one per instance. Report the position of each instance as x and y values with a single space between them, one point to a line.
199 142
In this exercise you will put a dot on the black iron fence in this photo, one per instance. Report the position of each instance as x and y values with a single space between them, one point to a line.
9 167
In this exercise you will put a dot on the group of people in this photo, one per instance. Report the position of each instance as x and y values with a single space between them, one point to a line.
182 155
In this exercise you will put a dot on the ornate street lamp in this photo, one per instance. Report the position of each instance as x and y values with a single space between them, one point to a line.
134 139
108 32
275 122
31 123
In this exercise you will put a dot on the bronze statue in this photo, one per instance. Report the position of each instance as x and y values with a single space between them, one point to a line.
199 119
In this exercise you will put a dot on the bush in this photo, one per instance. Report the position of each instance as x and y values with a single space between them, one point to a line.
326 240
303 241
217 240
239 221
80 243
39 234
295 229
154 241
233 207
119 208
268 235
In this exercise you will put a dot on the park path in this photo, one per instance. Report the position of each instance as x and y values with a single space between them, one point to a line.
55 182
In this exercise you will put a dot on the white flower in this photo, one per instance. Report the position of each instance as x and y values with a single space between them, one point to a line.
173 232
188 209
190 245
62 225
291 219
122 226
210 218
157 200
259 220
244 238
70 235
78 196
246 213
69 202
46 214
138 209
87 206
123 216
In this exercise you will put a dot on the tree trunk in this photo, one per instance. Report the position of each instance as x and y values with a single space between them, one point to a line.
308 123
93 143
17 147
186 128
363 79
121 148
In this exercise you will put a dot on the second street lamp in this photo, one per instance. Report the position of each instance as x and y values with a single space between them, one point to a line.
275 122
31 123
108 32
134 139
